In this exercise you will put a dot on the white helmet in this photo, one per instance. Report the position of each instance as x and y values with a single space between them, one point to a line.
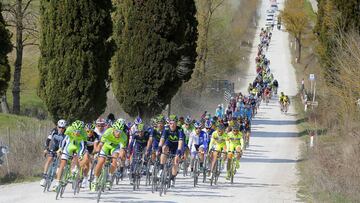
61 123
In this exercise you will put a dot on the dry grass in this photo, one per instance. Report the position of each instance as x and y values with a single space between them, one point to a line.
25 137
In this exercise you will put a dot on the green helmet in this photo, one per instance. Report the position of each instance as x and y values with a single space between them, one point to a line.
119 125
173 118
160 119
90 126
78 125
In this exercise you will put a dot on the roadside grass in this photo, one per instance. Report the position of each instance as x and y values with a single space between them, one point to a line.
312 185
25 137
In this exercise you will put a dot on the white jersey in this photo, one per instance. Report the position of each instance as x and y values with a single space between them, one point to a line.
97 131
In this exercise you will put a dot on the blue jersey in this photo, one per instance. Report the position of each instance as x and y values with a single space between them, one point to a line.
173 136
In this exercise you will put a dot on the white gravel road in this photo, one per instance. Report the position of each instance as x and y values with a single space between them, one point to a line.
268 168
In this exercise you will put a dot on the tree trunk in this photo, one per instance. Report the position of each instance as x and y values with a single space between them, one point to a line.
19 56
4 104
299 45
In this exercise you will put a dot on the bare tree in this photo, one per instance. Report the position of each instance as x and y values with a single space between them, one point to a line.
206 10
23 18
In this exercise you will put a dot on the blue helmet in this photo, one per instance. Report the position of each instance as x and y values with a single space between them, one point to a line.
137 120
208 124
197 124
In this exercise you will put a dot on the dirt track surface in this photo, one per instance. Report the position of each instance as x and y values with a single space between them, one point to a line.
268 168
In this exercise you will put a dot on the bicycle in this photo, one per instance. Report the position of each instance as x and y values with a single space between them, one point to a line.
217 168
77 180
137 169
65 177
196 169
51 172
92 169
165 175
206 168
102 179
155 180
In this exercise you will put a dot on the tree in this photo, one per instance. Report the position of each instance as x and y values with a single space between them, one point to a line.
156 52
5 48
335 17
75 57
24 20
296 21
205 14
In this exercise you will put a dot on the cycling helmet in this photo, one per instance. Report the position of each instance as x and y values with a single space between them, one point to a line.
197 124
90 126
118 125
172 118
100 121
121 120
61 123
236 127
78 125
129 124
140 127
208 124
137 120
221 127
160 119
188 120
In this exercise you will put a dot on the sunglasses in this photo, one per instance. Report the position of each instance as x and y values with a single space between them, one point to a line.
61 127
89 131
77 131
172 123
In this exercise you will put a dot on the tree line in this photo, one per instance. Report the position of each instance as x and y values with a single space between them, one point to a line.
144 49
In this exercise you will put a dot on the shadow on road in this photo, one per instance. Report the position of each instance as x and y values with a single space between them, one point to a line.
274 122
274 134
263 160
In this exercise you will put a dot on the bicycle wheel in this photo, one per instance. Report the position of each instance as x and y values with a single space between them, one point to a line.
63 181
212 180
154 178
218 169
148 174
163 181
195 172
101 184
92 170
204 170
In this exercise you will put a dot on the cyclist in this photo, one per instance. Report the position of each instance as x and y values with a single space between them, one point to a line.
235 142
217 144
281 100
171 141
187 128
140 143
73 143
100 126
219 111
198 143
91 143
112 143
155 136
52 144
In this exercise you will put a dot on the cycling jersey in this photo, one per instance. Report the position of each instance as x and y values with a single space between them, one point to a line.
187 131
172 138
234 141
218 141
156 136
197 141
54 140
73 143
90 142
112 144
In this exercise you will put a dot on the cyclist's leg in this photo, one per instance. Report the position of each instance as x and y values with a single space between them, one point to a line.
115 155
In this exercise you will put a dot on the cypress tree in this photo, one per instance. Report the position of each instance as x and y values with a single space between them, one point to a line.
156 52
75 57
5 48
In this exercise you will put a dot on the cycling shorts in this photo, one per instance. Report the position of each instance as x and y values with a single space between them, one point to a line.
71 149
108 149
173 146
233 146
219 147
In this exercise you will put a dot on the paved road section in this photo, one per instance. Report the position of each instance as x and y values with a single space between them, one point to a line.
268 168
